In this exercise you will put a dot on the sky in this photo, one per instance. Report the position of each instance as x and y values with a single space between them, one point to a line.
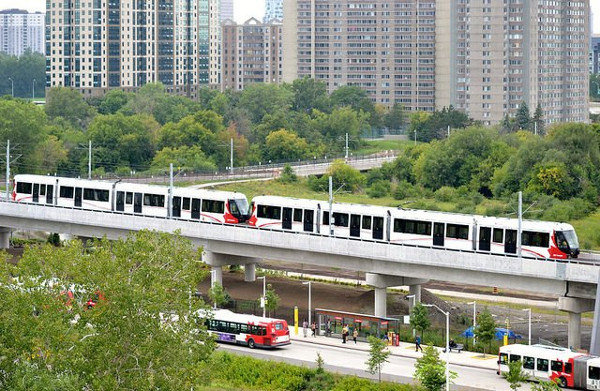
243 9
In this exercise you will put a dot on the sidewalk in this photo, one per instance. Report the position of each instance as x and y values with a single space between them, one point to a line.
406 349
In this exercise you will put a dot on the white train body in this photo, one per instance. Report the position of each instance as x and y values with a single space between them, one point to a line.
453 231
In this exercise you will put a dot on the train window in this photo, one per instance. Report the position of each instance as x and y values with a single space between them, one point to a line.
498 235
95 195
457 231
535 239
297 214
325 218
129 198
24 187
542 364
154 200
528 362
268 212
212 206
412 227
515 357
340 219
186 204
594 373
504 358
366 222
42 190
556 366
66 192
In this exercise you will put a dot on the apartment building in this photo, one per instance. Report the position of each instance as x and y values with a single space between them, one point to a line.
97 45
273 10
485 57
595 54
21 31
251 53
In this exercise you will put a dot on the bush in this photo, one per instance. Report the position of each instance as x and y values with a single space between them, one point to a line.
379 189
403 190
445 194
288 175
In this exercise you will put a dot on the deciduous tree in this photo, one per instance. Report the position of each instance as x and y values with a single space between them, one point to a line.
430 371
486 329
419 318
378 355
515 375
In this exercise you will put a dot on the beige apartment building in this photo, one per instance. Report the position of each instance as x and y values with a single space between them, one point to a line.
481 56
251 53
97 45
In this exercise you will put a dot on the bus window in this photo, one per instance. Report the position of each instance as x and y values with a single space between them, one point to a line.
503 358
244 328
594 373
528 362
278 326
542 364
515 357
556 366
568 367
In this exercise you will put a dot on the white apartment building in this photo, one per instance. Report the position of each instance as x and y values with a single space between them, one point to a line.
21 31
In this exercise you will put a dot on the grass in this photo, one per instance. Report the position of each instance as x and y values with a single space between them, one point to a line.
588 231
374 146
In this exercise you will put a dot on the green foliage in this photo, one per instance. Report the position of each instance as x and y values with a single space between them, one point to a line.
378 355
352 97
419 317
395 117
545 386
486 328
272 299
261 99
284 145
184 158
435 126
430 371
218 295
352 383
515 375
288 175
445 194
121 343
54 239
379 189
522 118
68 104
26 70
309 94
113 101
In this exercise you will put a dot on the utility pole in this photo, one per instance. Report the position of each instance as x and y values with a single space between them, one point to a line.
519 230
346 148
448 131
7 170
231 158
330 206
90 160
170 203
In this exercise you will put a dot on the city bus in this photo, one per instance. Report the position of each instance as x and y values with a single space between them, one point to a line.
541 362
253 331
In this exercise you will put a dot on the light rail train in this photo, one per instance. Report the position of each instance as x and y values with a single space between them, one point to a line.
453 231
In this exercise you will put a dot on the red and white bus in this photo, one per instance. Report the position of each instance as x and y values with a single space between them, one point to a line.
565 367
248 330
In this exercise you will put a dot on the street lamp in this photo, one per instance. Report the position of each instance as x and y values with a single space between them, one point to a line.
447 342
12 87
213 277
529 310
309 283
474 303
264 295
33 90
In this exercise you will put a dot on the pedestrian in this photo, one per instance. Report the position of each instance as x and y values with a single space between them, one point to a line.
344 333
355 334
305 327
313 328
418 344
328 331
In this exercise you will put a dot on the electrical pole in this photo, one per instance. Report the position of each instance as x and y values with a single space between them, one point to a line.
7 170
231 158
330 206
346 147
170 204
90 160
520 224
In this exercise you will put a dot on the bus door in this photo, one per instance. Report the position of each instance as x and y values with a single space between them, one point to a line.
377 228
510 241
195 208
176 211
36 192
485 235
49 194
438 234
355 226
78 194
138 198
286 218
309 217
120 201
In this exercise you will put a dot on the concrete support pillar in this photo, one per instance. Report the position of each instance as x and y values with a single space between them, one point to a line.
4 237
595 345
416 291
250 272
575 307
216 275
380 302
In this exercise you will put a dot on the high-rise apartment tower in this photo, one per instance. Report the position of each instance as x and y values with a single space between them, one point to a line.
21 31
273 10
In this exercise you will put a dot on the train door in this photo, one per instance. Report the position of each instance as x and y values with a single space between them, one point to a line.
318 223
377 228
78 196
355 226
388 227
36 192
49 194
120 201
176 212
309 217
195 208
438 234
286 218
485 235
510 241
138 198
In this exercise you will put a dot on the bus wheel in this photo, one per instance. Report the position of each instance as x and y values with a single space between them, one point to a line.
562 382
251 343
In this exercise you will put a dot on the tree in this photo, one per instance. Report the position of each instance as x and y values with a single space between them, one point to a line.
288 175
183 158
68 103
218 295
284 145
551 385
395 117
261 99
538 120
378 355
343 176
188 131
26 70
430 371
353 97
486 329
419 318
139 336
272 299
522 119
113 101
515 375
309 94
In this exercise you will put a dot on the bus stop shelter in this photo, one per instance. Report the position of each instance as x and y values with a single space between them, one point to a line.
331 322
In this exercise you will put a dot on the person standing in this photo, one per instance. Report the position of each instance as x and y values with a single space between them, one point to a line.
313 328
355 334
305 328
344 333
418 344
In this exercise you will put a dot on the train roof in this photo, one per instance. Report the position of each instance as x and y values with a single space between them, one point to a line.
64 180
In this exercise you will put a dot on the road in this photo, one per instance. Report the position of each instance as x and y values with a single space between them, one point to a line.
474 372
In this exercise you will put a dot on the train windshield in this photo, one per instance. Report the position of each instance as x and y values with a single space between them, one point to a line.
567 242
239 207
